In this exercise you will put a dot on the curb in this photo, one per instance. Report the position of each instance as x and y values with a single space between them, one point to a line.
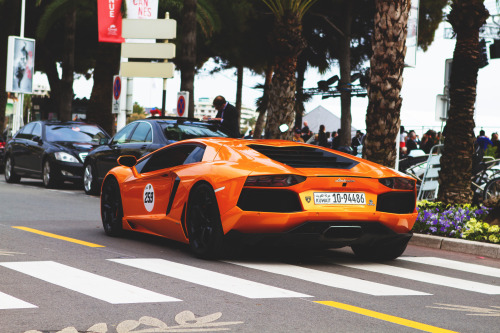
457 245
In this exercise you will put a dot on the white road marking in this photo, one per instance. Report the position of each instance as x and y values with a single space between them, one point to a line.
436 279
89 284
227 283
331 279
456 265
9 302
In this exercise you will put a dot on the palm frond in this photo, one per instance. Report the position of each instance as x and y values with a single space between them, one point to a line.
54 13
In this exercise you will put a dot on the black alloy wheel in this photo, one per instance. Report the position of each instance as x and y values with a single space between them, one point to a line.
111 208
381 250
203 223
9 173
90 180
49 175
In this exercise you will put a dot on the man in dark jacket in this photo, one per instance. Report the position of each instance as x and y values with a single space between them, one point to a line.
228 117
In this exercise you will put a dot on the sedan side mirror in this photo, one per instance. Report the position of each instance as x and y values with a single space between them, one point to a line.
127 160
36 138
103 141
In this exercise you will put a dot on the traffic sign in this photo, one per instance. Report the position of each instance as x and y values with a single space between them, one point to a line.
117 91
182 103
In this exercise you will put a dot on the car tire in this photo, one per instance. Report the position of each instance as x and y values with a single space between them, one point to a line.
491 189
9 173
381 251
90 180
111 208
49 175
203 223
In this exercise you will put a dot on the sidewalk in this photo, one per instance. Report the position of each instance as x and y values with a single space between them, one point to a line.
457 245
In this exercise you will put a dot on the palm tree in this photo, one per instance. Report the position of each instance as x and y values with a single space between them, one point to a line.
386 80
288 43
466 17
55 12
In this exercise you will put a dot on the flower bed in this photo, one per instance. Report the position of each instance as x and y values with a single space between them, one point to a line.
464 221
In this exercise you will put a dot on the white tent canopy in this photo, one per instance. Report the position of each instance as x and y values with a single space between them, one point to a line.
322 116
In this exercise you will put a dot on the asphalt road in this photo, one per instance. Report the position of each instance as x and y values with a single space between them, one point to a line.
60 273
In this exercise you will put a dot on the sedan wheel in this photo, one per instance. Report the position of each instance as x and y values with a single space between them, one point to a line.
50 179
90 180
111 208
9 174
203 223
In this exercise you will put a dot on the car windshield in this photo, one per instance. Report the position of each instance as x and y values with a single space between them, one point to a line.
74 133
178 132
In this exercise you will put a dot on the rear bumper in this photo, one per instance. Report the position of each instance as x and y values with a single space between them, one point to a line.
325 234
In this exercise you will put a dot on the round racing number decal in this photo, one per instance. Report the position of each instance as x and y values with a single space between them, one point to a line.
149 197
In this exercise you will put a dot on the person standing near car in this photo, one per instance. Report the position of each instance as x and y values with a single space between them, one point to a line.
228 116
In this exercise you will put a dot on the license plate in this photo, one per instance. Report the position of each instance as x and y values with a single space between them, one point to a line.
339 198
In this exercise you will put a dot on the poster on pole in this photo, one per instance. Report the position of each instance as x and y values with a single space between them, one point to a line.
20 65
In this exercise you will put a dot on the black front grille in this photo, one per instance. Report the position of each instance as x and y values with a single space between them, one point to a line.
269 200
305 157
396 202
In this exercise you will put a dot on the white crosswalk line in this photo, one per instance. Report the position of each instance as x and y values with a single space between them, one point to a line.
227 283
415 275
456 265
9 302
90 284
330 279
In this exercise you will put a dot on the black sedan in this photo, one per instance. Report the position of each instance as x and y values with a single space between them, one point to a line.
51 150
139 138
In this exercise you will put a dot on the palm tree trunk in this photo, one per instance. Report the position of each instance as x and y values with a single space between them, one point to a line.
107 65
386 80
239 91
466 17
345 77
187 59
68 64
299 103
288 43
259 124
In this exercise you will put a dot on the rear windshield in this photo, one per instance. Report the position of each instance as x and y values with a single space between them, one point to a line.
74 133
178 132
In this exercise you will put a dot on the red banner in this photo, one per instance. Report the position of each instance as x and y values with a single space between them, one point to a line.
110 21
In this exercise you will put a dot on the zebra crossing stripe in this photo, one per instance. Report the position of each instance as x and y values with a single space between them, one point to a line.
331 279
86 283
436 279
9 302
456 265
227 283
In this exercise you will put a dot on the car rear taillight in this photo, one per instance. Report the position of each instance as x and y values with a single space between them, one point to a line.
2 144
274 180
397 183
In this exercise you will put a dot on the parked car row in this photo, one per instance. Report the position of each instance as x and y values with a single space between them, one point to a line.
79 152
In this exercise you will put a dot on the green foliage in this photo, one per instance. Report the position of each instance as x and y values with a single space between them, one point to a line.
491 151
481 231
137 109
281 7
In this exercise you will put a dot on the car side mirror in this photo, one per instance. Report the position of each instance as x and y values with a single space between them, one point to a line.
127 160
36 138
103 141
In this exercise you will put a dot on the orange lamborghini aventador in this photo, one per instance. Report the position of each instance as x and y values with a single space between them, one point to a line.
207 191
